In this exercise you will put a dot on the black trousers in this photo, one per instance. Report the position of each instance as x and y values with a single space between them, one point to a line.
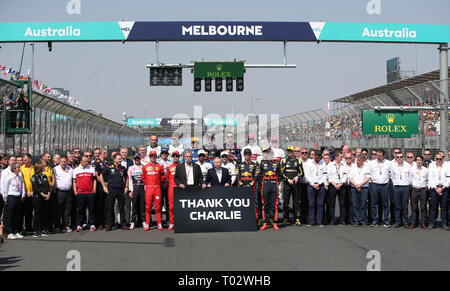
2 206
347 189
73 213
418 196
13 205
165 199
270 201
100 207
138 216
333 194
41 211
26 214
288 191
110 199
52 214
84 200
64 207
302 190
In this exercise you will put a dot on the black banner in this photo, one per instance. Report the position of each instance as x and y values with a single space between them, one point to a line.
214 209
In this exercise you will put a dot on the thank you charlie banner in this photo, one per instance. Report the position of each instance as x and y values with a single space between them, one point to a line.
215 209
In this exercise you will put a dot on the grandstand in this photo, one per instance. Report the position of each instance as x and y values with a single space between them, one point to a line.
58 127
343 123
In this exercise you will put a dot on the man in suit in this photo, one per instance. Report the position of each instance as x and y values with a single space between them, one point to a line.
217 176
126 163
188 173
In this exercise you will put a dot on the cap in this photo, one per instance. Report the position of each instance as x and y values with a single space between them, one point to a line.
274 139
175 153
251 136
164 150
247 152
201 152
266 149
195 139
137 156
291 148
224 153
152 153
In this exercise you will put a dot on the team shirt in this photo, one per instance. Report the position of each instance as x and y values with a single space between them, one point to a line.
359 174
27 173
419 177
401 174
438 176
84 179
316 173
380 172
63 178
336 173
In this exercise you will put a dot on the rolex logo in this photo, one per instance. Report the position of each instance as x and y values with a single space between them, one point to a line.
390 118
219 67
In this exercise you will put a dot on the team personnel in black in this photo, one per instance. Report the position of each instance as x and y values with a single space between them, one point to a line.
115 184
247 175
270 174
292 170
99 164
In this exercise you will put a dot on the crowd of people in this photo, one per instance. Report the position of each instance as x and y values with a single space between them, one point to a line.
12 75
54 194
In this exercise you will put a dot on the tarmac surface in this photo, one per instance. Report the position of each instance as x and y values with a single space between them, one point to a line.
292 248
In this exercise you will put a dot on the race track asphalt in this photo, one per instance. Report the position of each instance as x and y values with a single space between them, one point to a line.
291 248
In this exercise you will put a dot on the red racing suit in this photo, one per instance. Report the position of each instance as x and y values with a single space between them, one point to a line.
152 176
170 170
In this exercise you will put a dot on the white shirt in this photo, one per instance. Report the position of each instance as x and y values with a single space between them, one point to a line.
13 186
63 178
401 174
419 177
231 170
380 172
438 176
336 173
205 167
219 174
303 179
4 175
347 170
189 174
256 152
315 173
358 175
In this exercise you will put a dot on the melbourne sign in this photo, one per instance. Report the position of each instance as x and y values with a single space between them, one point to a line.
223 31
219 70
396 124
214 209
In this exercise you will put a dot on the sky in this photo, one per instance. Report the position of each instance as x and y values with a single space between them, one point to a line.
112 78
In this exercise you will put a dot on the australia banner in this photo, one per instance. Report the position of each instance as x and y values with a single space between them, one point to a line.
215 209
223 31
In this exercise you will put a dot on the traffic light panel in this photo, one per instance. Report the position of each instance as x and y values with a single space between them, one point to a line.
239 84
197 84
208 84
218 82
229 84
166 76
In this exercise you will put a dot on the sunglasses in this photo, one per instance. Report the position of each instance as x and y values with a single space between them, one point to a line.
438 159
348 158
202 155
177 156
400 157
88 156
304 153
77 152
410 157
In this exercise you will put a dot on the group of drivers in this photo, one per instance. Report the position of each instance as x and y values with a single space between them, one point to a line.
261 169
